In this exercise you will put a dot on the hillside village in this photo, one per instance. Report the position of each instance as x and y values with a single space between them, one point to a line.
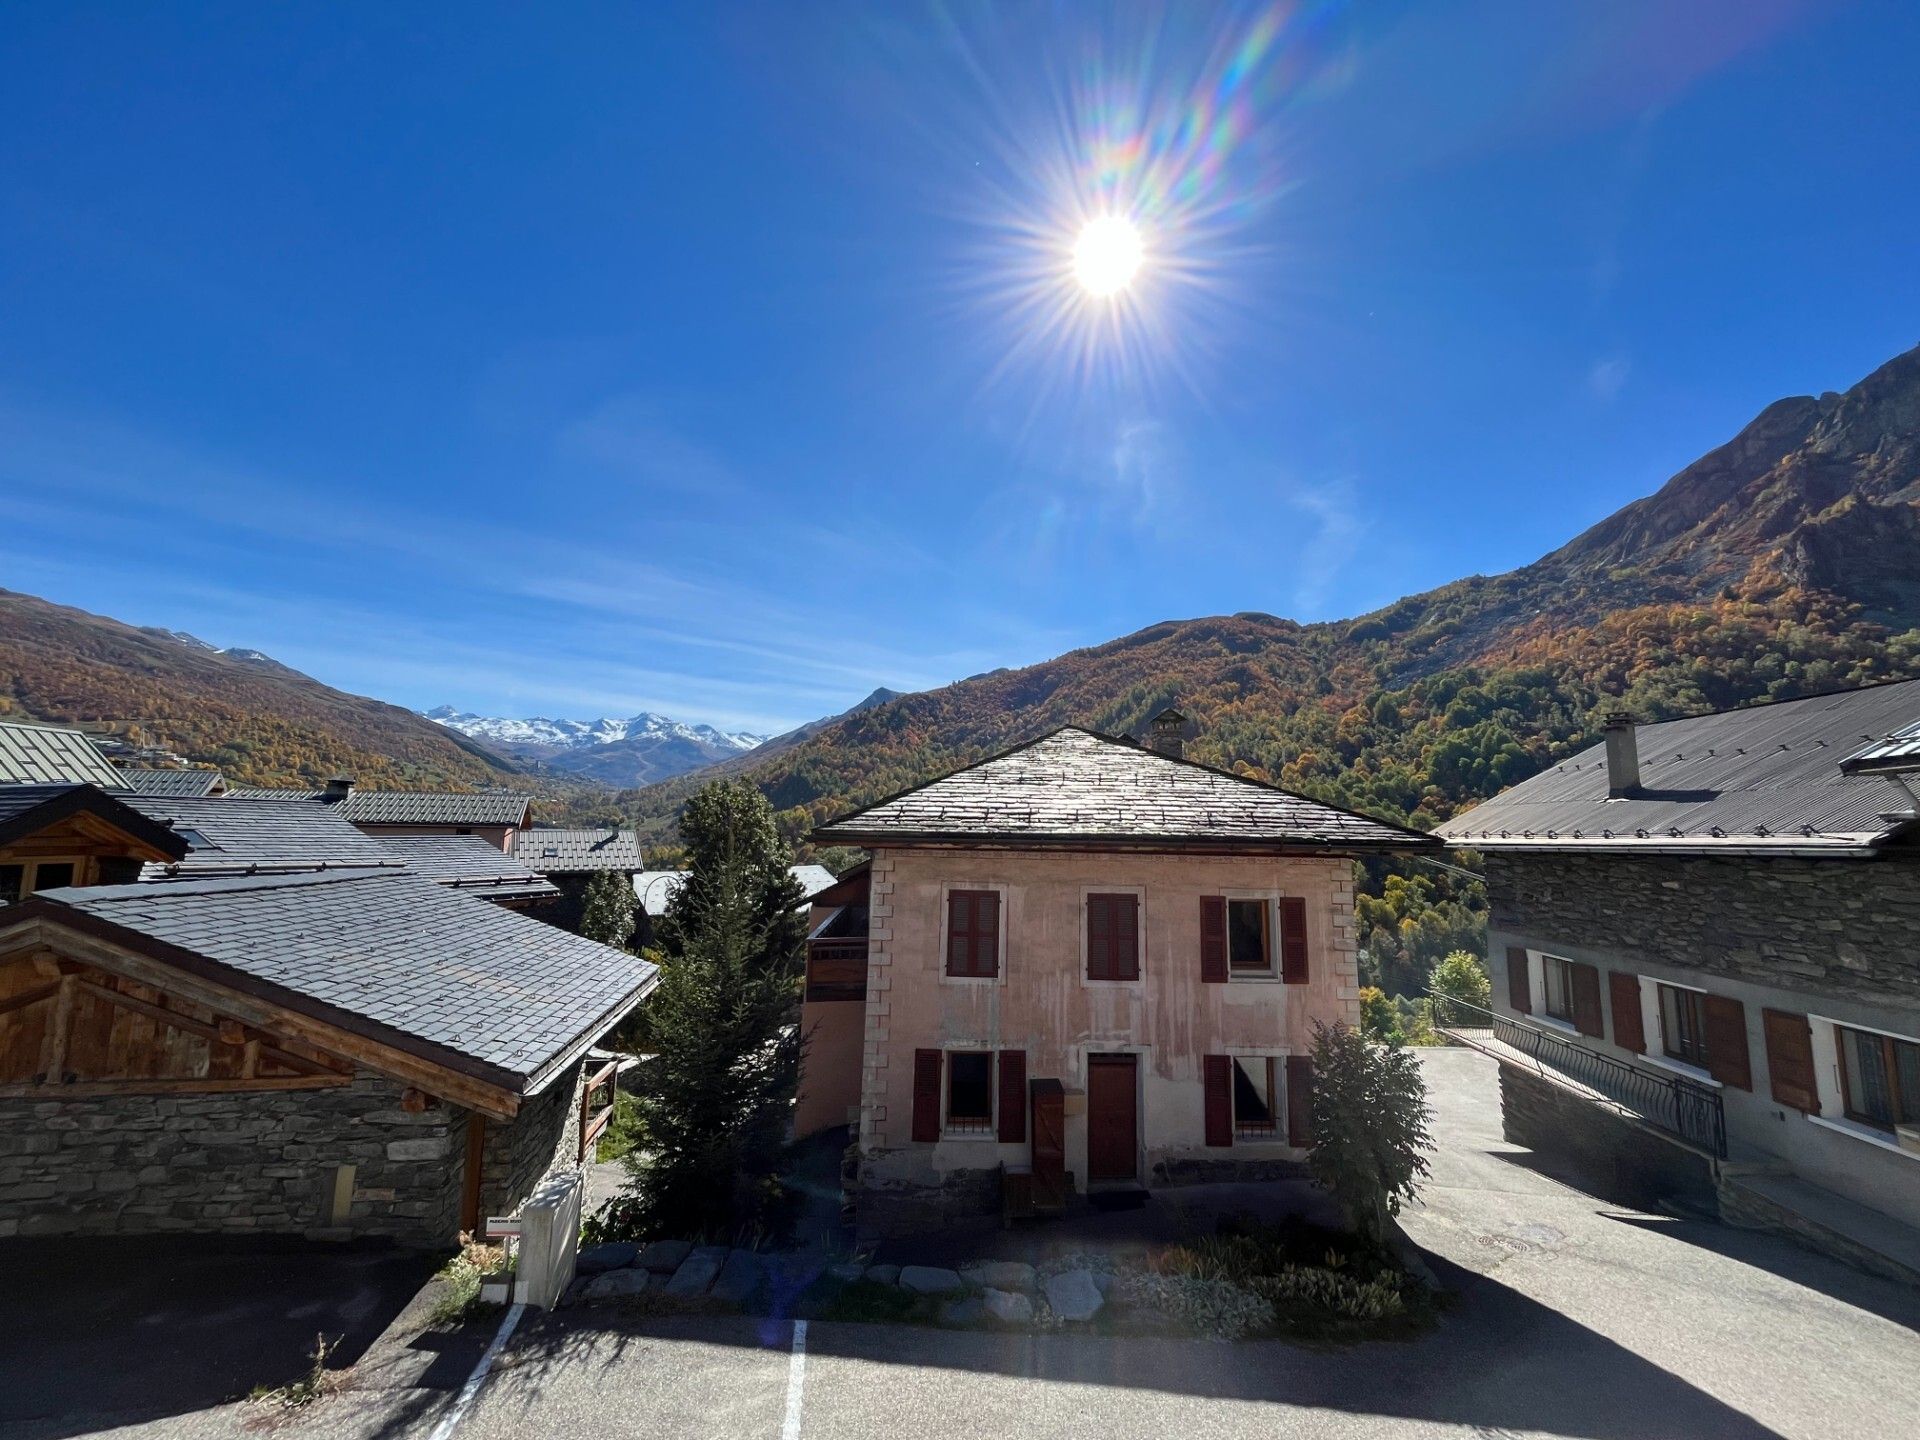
1017 720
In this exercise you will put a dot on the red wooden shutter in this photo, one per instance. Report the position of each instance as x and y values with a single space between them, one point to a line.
1217 1073
1727 1042
1519 986
1126 937
1013 1097
1790 1060
1293 940
1629 1024
959 932
986 932
1299 1099
926 1095
1587 1018
1213 939
1100 937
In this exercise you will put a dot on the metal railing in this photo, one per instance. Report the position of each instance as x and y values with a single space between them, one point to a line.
1674 1103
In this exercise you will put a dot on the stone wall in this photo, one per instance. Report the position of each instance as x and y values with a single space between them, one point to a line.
1848 927
542 1138
254 1162
1621 1158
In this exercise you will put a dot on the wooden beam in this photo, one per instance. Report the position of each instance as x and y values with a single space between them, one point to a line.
178 1021
28 997
470 1177
53 1050
449 1085
173 1087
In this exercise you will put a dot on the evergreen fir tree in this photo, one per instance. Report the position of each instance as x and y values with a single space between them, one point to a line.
607 907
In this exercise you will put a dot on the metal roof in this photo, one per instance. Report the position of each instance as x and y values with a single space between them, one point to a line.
554 851
50 754
1078 788
391 955
1898 754
469 863
229 836
1764 778
655 888
144 780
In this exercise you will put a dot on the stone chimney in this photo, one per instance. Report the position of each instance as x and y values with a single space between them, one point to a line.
338 788
1623 755
1166 733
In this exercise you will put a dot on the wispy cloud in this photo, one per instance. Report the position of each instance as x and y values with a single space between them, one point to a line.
1607 376
1338 525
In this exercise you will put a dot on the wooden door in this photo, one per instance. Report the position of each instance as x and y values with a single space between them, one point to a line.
1113 1118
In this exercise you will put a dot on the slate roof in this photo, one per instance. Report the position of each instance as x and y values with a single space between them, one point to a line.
408 807
570 852
1080 789
468 863
143 780
27 809
229 836
393 956
50 755
1763 778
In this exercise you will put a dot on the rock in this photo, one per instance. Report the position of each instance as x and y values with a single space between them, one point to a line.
1008 1307
614 1255
883 1274
1102 1281
663 1257
1073 1295
999 1274
968 1310
739 1278
847 1271
930 1280
618 1284
696 1272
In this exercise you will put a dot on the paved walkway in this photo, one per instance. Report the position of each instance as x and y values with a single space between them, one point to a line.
1573 1317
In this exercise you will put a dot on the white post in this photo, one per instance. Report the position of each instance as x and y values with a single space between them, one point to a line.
549 1239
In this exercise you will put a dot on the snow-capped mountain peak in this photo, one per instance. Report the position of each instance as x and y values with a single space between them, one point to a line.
545 733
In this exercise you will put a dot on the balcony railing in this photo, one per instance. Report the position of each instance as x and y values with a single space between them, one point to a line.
1672 1102
837 969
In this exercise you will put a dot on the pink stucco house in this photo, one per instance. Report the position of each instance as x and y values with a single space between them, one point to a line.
1084 963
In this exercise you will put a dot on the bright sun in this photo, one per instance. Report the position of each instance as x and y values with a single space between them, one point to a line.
1107 255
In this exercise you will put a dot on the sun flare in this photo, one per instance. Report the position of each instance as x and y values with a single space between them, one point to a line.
1107 255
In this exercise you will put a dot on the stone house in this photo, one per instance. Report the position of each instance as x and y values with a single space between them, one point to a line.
336 1049
1087 965
1724 913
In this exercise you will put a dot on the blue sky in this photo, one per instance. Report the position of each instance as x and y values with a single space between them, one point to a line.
720 360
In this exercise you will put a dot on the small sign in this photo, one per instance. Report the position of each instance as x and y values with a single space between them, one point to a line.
500 1227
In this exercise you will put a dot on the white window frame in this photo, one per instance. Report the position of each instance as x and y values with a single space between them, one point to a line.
1271 898
1537 985
1139 893
1000 888
1832 1095
947 1052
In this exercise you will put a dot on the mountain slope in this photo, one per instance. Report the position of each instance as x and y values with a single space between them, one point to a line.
259 721
638 750
1785 561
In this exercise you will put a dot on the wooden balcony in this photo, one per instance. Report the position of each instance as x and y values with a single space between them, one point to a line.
837 969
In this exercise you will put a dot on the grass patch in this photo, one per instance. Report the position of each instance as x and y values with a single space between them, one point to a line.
464 1274
299 1394
869 1302
622 1135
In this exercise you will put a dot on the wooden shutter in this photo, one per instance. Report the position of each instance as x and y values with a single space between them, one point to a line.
986 932
1217 1073
1587 1018
1099 937
926 1095
1293 940
1790 1060
1013 1097
973 933
1727 1042
959 932
1629 1023
1126 937
1519 986
1299 1099
1213 939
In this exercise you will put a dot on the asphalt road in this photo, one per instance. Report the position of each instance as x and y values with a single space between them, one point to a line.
1574 1317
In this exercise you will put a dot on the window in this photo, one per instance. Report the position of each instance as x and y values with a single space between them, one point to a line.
969 1092
1683 1025
1559 988
52 877
1113 937
13 882
1879 1077
1249 944
1253 1108
30 877
973 934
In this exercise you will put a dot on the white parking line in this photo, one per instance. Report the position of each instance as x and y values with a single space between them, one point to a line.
796 1382
478 1378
